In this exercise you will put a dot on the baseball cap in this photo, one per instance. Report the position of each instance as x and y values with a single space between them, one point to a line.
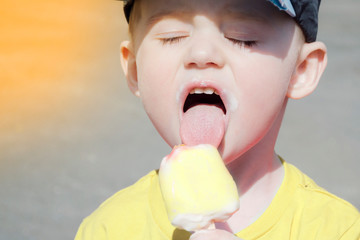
304 12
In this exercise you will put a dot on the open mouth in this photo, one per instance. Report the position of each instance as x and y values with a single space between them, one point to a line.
205 96
203 119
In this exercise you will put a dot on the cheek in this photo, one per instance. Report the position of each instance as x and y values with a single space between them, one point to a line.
261 94
265 87
153 78
262 99
264 96
156 70
157 91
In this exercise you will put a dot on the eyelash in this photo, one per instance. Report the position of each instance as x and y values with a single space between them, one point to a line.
171 40
242 43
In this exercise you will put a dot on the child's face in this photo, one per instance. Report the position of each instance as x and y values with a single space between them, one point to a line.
246 50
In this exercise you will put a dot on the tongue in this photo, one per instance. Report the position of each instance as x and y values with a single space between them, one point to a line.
203 124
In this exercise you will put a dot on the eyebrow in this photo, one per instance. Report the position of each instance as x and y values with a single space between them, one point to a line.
172 13
248 14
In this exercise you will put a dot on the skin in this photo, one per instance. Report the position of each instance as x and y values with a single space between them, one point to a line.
252 54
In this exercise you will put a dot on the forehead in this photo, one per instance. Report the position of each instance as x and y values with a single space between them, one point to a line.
153 10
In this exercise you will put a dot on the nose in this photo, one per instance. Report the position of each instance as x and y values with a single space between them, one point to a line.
204 52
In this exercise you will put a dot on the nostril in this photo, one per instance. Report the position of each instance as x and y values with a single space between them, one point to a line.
203 65
204 56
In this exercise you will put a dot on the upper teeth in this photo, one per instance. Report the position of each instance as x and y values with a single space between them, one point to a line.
203 90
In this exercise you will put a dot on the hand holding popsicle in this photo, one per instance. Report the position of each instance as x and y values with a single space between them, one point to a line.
197 188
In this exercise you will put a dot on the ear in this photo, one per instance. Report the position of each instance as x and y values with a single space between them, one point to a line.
128 64
311 64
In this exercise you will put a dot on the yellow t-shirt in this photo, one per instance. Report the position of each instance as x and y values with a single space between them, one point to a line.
300 210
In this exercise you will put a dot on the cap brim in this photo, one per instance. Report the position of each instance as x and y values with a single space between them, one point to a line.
284 5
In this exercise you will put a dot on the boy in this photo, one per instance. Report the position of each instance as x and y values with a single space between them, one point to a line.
221 72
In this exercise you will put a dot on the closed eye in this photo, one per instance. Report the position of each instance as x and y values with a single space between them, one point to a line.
171 40
242 43
167 38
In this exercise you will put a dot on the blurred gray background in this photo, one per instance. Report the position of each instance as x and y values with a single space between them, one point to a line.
68 143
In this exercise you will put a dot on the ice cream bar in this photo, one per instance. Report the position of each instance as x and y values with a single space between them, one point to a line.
197 187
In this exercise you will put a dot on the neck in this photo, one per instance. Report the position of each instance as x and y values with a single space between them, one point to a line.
257 188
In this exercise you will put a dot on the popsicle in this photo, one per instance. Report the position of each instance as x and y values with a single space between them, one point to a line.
197 188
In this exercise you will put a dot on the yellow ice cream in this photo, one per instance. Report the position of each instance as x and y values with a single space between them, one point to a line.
197 187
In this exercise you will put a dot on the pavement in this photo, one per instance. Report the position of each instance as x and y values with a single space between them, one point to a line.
71 132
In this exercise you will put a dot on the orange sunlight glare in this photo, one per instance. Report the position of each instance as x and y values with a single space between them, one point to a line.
46 50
